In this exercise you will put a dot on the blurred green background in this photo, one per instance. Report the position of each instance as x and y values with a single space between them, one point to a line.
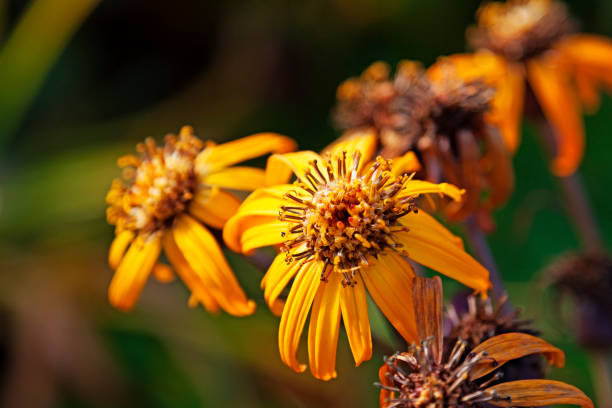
81 82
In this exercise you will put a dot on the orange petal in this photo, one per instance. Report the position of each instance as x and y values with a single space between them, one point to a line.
354 306
204 256
280 166
554 92
505 347
118 247
324 329
277 277
428 309
529 393
163 273
389 282
295 312
364 141
214 158
213 206
429 243
418 187
133 271
237 178
200 284
408 163
385 394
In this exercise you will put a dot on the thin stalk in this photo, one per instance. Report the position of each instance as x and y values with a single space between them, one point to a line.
576 202
478 242
602 378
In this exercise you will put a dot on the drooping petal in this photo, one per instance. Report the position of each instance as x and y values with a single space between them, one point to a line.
280 166
214 158
354 307
539 393
200 284
422 222
237 178
428 309
324 329
505 347
118 247
213 206
555 94
133 271
389 282
203 254
277 278
429 246
295 312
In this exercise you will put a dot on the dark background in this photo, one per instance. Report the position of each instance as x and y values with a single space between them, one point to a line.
127 70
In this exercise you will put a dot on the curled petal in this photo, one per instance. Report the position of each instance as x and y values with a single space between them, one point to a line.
118 247
418 187
277 277
529 393
214 158
505 347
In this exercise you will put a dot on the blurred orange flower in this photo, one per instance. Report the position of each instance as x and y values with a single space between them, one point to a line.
171 191
533 40
345 225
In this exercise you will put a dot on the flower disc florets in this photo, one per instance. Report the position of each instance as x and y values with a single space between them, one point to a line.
419 382
520 29
162 181
342 217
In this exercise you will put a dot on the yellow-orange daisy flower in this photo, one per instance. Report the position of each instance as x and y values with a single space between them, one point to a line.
533 40
345 225
171 191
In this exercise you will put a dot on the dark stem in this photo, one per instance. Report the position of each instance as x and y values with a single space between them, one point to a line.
577 204
478 242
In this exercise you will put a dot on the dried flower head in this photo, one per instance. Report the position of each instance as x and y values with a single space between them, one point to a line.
587 278
167 193
345 225
533 41
423 377
441 115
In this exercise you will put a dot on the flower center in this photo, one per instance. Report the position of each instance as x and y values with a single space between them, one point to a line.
520 29
343 218
161 182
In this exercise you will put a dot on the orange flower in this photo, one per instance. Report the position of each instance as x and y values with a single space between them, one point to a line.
345 225
424 377
449 119
533 40
171 191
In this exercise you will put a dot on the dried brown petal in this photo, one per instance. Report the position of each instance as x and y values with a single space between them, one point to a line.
527 393
427 298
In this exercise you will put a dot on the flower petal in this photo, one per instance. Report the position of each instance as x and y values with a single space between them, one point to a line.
214 158
418 187
163 273
201 285
389 282
277 277
354 307
280 166
203 254
422 222
213 206
133 271
237 178
324 329
438 251
428 309
364 141
408 163
118 247
505 347
295 312
554 92
539 393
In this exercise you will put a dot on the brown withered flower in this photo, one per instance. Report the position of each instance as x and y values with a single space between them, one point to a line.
539 55
425 377
586 277
445 118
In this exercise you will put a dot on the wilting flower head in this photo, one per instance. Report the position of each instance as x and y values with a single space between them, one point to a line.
474 320
587 278
170 191
534 40
446 115
345 225
426 377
